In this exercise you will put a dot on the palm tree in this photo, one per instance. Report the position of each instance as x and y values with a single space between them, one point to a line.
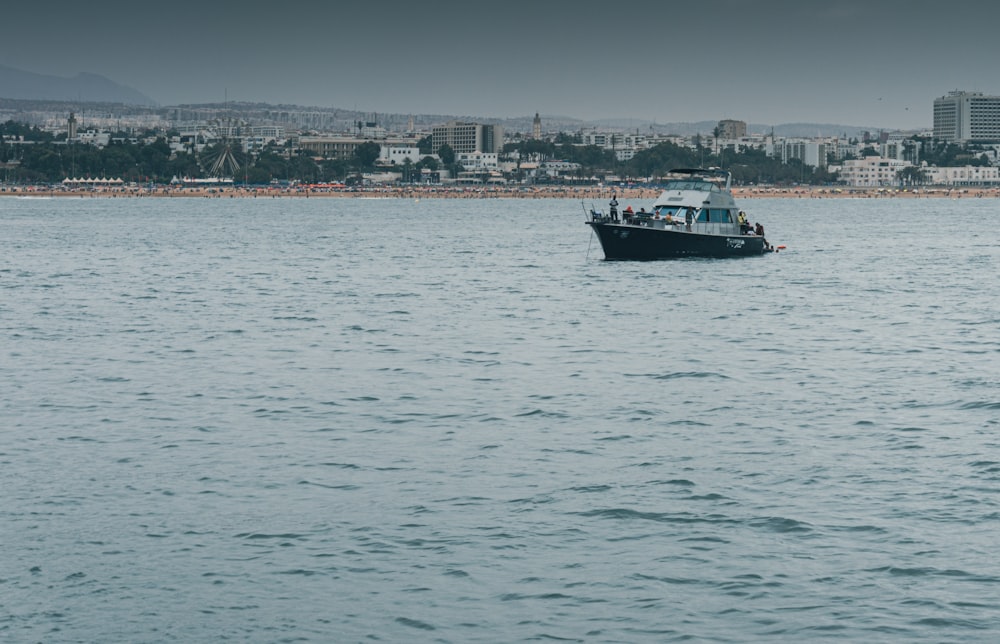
912 176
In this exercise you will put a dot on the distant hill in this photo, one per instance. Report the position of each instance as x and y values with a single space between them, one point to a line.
18 84
15 85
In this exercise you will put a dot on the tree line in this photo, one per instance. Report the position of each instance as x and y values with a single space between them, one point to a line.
40 157
748 165
43 158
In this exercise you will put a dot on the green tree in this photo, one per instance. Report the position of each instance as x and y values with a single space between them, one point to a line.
181 165
119 160
257 176
529 147
270 165
659 160
334 170
564 138
153 159
303 168
912 176
446 154
590 157
366 154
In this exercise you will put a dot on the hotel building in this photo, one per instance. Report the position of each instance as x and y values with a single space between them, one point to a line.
967 116
465 138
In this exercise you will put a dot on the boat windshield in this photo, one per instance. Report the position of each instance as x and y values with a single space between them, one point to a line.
703 186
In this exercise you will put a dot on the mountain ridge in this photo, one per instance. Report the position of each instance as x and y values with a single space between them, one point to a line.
88 88
22 85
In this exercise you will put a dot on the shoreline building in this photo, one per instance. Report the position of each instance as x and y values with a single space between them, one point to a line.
967 116
465 138
871 172
988 176
343 147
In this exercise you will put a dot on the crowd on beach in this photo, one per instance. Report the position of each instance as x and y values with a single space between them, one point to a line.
634 192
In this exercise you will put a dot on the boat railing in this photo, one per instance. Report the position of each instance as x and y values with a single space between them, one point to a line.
704 228
650 221
598 217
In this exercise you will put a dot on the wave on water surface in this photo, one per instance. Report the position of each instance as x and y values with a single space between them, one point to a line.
342 420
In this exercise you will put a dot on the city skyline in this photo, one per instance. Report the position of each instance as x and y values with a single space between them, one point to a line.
878 64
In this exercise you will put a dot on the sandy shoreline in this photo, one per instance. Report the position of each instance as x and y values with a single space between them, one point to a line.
547 192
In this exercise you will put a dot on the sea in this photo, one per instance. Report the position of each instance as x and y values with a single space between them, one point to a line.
451 420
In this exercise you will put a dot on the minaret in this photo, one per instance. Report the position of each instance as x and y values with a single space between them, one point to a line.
536 127
71 126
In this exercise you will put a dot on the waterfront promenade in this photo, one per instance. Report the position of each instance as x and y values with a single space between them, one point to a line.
590 193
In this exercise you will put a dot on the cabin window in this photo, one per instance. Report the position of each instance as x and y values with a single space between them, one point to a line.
714 216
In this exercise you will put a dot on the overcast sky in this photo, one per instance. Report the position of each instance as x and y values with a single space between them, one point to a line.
877 63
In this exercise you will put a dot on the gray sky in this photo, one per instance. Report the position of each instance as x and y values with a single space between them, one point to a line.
876 63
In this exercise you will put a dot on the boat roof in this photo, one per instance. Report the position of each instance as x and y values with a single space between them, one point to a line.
705 174
697 188
708 172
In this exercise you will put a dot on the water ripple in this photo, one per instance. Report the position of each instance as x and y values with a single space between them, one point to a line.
319 420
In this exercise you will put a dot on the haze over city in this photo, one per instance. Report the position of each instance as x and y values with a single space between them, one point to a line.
878 64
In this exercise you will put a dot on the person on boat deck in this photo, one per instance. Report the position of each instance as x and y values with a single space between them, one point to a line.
759 230
614 207
628 212
744 224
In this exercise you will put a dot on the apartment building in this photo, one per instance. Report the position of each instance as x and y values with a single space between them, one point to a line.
465 138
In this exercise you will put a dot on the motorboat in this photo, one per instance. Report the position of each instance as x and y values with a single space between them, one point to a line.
695 216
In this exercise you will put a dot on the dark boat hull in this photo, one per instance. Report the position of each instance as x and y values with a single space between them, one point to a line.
622 241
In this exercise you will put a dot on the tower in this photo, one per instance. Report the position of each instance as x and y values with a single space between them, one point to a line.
536 127
71 127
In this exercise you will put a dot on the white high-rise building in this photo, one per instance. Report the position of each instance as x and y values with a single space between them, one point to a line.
967 116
